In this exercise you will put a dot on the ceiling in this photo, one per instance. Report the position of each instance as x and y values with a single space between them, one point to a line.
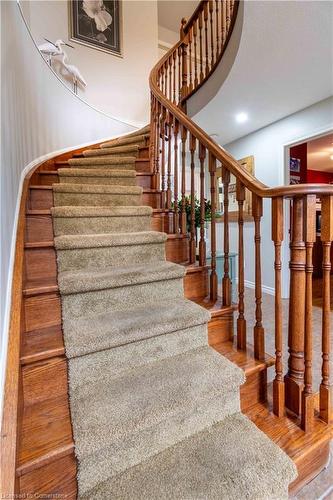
170 12
319 152
284 64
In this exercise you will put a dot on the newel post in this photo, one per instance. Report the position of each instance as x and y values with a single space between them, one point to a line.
294 380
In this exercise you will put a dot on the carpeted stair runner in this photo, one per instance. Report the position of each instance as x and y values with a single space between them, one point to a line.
155 411
129 150
139 140
95 220
116 162
97 176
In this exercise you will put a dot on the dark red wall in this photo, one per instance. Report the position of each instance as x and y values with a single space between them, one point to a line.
316 176
300 152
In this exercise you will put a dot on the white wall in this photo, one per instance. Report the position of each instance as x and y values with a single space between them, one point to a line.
116 85
268 148
166 40
38 115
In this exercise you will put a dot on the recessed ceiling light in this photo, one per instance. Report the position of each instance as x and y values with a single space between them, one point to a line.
241 117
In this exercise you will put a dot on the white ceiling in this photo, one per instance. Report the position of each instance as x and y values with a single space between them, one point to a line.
171 12
319 152
284 64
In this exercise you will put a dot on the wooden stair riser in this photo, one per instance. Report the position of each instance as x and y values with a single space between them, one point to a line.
39 228
196 284
162 221
254 390
177 249
152 199
144 180
142 165
143 152
42 311
46 178
40 199
221 327
58 476
40 263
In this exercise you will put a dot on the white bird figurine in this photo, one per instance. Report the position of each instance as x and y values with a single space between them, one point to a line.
74 72
52 49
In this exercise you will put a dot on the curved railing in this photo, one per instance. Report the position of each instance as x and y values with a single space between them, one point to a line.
175 141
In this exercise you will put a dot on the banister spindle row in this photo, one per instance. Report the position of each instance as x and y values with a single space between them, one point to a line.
184 164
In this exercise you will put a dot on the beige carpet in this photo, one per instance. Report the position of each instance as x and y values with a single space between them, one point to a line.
155 411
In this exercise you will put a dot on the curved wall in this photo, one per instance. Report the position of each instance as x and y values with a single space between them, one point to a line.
39 114
115 85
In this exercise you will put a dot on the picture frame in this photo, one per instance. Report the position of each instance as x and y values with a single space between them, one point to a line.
295 165
248 164
99 26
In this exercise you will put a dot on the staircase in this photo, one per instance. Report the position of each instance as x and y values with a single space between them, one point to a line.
118 394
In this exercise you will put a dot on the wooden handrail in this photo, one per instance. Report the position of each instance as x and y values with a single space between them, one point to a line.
189 64
227 160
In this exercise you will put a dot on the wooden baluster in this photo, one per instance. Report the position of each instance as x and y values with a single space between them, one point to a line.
195 55
193 235
179 74
162 79
190 82
325 392
308 398
277 237
165 78
241 323
170 77
223 21
226 282
175 175
169 190
183 218
227 17
211 14
183 47
152 137
294 377
162 127
217 3
202 242
213 274
174 55
200 46
258 331
206 37
157 180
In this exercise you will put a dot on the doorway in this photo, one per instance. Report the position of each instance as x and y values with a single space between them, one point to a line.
311 162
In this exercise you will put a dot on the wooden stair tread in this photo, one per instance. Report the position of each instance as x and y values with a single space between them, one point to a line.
48 172
39 244
42 343
39 286
44 188
46 211
286 432
244 359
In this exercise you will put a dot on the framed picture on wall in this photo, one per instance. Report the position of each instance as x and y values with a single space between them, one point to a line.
248 164
97 24
295 165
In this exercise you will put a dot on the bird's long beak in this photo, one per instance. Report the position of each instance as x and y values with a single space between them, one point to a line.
71 46
51 42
